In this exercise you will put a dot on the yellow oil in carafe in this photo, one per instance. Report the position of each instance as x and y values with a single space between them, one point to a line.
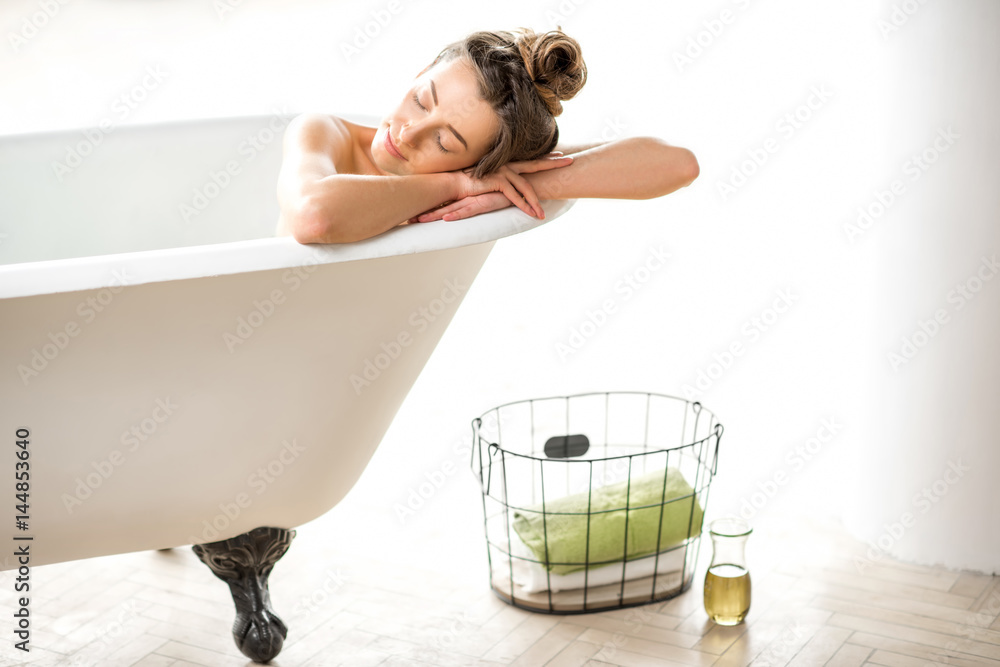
727 594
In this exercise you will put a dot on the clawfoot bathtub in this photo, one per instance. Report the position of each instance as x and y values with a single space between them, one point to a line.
173 374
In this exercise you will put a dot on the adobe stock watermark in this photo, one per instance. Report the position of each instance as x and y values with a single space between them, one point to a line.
433 481
420 319
128 612
597 317
611 130
122 107
32 25
972 632
365 34
557 15
795 460
751 331
309 604
616 470
224 8
444 636
263 309
923 501
963 292
132 439
913 167
435 478
712 29
786 126
58 341
218 180
634 618
899 16
782 649
560 177
259 481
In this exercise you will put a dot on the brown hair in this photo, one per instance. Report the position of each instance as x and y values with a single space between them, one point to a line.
523 76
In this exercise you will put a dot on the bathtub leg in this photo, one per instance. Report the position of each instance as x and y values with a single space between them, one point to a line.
244 562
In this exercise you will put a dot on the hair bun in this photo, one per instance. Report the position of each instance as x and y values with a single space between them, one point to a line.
555 64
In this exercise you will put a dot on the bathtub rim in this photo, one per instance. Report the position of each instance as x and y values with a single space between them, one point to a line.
74 274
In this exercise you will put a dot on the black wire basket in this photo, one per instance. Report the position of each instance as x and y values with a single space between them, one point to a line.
594 501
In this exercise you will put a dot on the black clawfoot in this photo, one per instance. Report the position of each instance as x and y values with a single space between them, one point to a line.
244 562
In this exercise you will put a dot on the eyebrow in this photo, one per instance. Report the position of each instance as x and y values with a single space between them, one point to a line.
454 131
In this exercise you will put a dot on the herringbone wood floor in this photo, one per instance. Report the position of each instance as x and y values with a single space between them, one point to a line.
815 602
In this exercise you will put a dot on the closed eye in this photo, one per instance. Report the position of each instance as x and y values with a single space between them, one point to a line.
416 101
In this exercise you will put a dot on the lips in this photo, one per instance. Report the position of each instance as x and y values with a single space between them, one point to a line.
391 147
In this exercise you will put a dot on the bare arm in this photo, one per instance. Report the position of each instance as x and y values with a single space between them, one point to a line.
320 205
630 168
569 149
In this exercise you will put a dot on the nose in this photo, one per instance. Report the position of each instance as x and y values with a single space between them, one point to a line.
408 131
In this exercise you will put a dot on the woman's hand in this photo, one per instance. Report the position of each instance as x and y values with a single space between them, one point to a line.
465 208
508 182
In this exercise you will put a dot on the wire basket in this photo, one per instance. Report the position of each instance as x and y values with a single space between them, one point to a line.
594 501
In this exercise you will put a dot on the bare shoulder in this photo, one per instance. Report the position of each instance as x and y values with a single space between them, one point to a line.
321 137
315 146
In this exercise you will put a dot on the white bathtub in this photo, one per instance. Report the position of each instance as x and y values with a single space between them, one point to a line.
185 381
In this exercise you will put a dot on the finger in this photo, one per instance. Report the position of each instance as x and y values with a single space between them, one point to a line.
515 197
462 213
432 214
528 192
441 210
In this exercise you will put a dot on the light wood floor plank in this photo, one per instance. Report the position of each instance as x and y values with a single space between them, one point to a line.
890 602
790 641
910 620
821 647
155 660
521 639
633 628
904 591
623 658
945 655
613 642
577 653
349 647
849 655
971 584
548 646
895 660
933 639
883 570
201 656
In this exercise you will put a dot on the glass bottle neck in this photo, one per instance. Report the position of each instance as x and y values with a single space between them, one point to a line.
728 550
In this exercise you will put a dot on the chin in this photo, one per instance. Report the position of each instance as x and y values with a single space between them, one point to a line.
382 161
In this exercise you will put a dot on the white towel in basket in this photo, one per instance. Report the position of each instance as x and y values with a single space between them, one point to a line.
531 576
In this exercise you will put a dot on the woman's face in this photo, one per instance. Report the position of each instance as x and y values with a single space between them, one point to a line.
441 124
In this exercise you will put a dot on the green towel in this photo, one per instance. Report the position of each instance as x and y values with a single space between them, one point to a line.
567 533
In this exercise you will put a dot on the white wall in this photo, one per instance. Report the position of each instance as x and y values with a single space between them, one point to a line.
931 492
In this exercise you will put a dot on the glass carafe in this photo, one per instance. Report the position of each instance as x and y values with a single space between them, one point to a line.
727 582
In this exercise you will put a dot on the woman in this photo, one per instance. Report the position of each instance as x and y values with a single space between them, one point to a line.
476 132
